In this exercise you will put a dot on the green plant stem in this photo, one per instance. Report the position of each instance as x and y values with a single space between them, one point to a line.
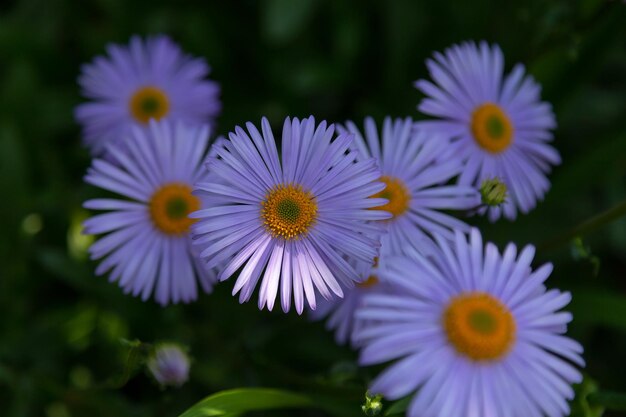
615 401
586 226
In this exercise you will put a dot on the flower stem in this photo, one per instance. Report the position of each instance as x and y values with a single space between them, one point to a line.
615 401
586 226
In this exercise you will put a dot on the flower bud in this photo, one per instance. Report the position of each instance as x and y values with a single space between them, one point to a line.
373 404
169 365
493 192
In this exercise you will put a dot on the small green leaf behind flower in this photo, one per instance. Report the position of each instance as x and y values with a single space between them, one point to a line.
136 354
580 405
398 408
580 251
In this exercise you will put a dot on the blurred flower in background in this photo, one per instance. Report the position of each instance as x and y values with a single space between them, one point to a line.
150 78
339 312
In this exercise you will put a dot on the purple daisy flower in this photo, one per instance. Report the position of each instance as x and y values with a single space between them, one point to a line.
475 332
298 221
499 126
147 243
169 365
415 169
148 79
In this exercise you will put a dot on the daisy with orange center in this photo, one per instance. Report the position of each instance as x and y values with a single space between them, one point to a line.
148 79
146 244
296 224
495 122
472 331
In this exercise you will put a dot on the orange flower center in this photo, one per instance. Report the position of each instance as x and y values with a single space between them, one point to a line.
169 207
149 103
288 211
492 128
398 195
479 326
371 281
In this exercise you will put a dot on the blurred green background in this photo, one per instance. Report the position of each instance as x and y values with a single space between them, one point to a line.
60 326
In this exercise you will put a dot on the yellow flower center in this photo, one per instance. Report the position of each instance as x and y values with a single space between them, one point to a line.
492 128
149 103
396 192
169 207
479 326
371 281
288 211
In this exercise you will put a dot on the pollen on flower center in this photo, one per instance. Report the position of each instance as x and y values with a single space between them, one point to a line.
479 326
288 211
149 103
491 127
169 207
398 195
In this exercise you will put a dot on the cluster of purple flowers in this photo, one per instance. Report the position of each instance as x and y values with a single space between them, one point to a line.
354 225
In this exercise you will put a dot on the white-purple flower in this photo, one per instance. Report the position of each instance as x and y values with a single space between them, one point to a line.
498 124
416 168
473 332
169 365
147 244
296 221
147 79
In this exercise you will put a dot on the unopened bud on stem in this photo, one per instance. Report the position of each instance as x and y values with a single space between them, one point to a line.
493 192
373 404
169 365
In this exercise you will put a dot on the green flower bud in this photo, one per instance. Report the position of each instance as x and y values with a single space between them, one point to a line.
373 404
493 192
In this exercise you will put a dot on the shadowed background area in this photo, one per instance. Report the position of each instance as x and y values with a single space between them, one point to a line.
60 350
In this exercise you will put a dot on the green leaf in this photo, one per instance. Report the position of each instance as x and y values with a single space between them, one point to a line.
581 251
592 306
581 406
399 407
234 402
136 355
609 400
